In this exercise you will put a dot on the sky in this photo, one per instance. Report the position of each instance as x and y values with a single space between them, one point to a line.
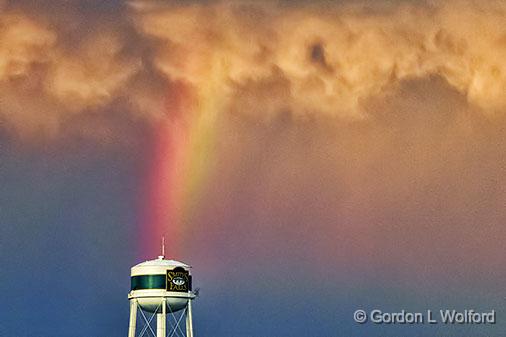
308 159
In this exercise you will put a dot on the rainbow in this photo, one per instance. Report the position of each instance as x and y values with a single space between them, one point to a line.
179 168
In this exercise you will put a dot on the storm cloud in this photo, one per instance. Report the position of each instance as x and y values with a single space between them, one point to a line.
61 60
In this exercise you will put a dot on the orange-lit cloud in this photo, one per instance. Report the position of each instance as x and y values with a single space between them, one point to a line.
259 58
329 60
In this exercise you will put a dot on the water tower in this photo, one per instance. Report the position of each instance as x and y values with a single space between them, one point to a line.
161 288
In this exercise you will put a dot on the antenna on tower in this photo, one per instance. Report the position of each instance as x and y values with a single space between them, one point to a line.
163 247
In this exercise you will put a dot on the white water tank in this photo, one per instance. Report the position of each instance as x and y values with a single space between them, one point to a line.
155 280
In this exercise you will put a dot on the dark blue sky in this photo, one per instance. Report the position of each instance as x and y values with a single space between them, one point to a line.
69 227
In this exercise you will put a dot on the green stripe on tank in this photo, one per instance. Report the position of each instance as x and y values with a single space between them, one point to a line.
148 282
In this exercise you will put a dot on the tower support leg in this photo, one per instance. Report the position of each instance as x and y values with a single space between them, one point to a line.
189 320
133 318
161 323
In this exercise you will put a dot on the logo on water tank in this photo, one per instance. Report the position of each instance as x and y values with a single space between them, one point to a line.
178 280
